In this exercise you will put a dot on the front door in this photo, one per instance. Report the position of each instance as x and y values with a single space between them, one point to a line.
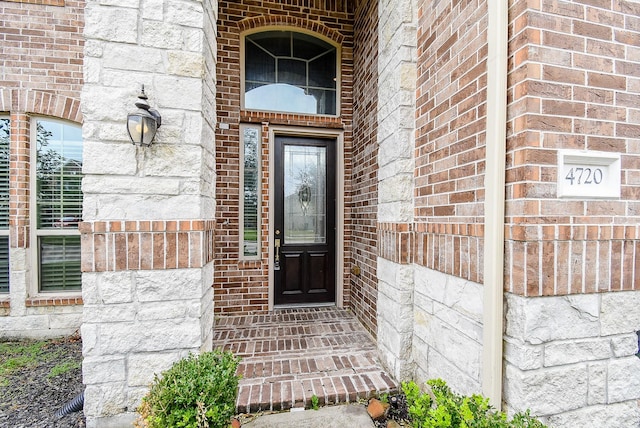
304 224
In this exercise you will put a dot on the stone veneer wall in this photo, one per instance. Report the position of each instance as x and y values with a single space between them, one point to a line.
571 264
396 108
149 213
41 48
572 358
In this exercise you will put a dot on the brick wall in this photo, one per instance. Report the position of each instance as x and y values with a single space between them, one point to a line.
241 286
363 191
573 84
450 137
41 46
41 60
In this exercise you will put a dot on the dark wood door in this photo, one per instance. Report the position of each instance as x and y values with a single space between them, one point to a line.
304 224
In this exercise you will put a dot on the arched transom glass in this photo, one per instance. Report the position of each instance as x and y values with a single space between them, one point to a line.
290 72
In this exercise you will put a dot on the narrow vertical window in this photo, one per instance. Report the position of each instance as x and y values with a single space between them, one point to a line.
59 204
250 191
5 133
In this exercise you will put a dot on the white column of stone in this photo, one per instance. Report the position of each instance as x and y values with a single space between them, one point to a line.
138 322
396 134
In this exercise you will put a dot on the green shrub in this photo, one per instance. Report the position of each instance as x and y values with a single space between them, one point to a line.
196 392
442 408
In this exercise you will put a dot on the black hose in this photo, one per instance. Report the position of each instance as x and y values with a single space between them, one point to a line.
72 406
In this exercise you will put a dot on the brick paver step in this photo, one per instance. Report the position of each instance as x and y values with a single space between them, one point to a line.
289 356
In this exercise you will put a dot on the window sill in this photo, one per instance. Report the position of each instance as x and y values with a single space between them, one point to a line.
54 301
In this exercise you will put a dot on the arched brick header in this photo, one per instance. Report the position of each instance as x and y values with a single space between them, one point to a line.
290 21
40 102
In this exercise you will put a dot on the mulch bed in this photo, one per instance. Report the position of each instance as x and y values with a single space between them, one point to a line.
31 396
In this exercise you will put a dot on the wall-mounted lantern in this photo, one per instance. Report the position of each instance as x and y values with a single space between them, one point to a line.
144 122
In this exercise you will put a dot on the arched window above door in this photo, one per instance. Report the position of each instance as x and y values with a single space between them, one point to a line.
287 71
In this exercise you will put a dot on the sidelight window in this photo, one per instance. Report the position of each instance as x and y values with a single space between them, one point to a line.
5 133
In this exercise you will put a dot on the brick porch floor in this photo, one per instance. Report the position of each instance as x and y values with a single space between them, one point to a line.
292 354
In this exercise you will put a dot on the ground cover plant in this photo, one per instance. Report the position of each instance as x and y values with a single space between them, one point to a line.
196 392
441 407
37 378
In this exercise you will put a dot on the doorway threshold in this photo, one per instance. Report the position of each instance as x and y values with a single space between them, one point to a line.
305 306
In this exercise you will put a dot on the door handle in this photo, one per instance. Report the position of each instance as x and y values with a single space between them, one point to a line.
276 262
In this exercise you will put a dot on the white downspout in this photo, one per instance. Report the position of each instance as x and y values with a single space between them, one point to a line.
494 202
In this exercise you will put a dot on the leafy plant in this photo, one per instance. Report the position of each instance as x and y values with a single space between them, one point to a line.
442 408
315 402
196 392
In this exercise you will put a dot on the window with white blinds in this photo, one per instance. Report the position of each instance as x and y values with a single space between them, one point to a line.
59 204
5 132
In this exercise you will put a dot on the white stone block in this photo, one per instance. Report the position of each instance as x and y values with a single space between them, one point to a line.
89 333
161 35
575 351
135 207
115 313
110 23
395 212
547 391
101 103
619 312
143 367
188 64
521 355
136 58
597 384
465 297
163 163
66 321
459 321
193 40
440 367
152 9
90 293
174 284
623 379
142 186
397 188
544 319
150 336
116 287
93 48
187 13
622 415
165 310
461 350
178 92
103 369
624 346
105 399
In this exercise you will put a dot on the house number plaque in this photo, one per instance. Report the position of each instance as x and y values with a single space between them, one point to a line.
588 174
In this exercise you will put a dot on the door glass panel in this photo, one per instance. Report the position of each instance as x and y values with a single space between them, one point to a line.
305 205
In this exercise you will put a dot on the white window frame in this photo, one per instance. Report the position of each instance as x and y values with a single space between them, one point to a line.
36 233
243 36
242 255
